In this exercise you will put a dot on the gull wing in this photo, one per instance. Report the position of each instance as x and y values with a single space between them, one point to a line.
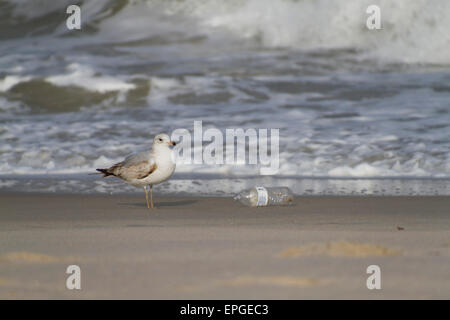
135 159
136 166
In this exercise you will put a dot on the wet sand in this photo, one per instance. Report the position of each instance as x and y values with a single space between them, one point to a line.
213 248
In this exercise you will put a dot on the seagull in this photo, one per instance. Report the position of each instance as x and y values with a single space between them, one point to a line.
146 168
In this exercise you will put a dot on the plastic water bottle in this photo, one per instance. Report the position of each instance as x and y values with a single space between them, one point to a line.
261 196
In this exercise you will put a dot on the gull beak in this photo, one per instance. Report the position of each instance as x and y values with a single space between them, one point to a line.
171 143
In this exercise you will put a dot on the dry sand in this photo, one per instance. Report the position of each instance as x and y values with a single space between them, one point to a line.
213 248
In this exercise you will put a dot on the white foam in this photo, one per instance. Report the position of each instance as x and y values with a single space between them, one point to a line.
85 77
412 31
361 170
10 81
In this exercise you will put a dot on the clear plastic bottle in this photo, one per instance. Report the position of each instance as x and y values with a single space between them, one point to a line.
261 196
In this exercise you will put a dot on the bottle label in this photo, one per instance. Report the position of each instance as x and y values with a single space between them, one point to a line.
263 197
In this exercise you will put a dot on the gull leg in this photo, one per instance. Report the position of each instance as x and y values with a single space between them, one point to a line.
151 195
146 196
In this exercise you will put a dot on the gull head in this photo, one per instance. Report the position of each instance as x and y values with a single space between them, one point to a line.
162 140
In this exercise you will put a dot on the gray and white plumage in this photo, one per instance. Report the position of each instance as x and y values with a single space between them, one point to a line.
134 168
148 167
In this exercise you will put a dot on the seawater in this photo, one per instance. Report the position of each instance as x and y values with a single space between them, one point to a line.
350 103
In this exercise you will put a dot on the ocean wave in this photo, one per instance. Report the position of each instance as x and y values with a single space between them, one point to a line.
80 158
74 101
325 132
412 31
85 77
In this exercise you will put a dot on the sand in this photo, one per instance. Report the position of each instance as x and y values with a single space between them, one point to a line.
213 248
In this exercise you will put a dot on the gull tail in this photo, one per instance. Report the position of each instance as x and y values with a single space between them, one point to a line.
105 172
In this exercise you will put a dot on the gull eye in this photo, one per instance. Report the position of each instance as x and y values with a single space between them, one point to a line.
160 139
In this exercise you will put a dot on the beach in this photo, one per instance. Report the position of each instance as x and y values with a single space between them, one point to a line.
214 248
352 116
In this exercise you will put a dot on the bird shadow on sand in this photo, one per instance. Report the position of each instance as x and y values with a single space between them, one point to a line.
176 203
